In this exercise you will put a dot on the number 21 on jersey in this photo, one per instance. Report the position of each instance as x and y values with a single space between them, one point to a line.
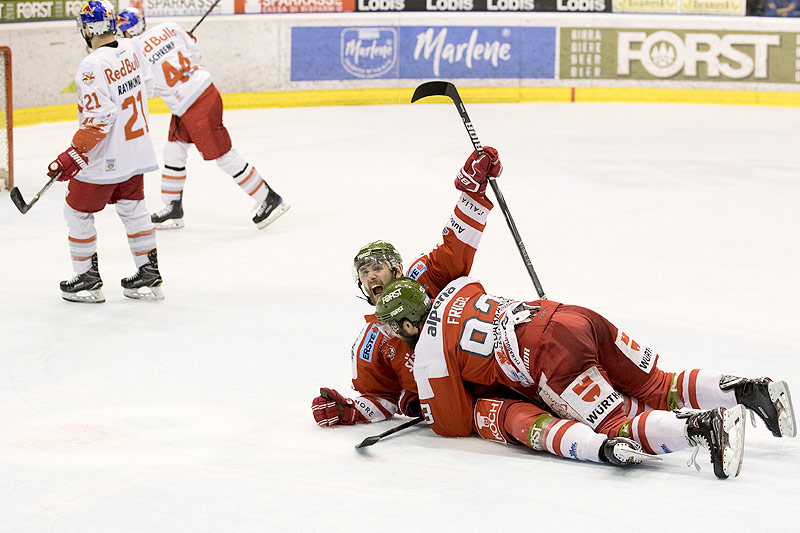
131 103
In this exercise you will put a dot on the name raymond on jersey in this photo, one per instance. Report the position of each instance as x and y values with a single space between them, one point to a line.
127 67
129 85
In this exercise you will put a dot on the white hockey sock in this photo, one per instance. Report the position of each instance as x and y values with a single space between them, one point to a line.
82 238
659 432
572 439
141 232
172 182
245 175
699 389
173 177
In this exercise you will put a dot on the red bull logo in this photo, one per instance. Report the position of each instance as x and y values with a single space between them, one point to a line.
86 9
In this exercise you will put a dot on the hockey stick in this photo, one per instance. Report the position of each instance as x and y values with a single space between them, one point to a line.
444 88
204 16
369 441
23 207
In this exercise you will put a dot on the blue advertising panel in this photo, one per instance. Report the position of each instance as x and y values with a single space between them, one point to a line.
390 52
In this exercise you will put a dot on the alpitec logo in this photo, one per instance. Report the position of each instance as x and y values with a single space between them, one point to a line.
368 52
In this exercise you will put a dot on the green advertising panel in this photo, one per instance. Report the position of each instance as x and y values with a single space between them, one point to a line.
690 55
28 11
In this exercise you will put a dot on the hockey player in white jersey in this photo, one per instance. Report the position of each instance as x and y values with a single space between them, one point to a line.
189 92
108 155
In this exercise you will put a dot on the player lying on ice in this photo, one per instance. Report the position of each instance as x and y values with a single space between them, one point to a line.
720 429
383 365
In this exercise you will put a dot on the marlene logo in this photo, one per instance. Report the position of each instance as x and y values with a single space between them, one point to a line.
368 52
468 52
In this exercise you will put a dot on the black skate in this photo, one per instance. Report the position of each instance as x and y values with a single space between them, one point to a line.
84 288
146 283
171 217
622 451
721 431
771 400
270 210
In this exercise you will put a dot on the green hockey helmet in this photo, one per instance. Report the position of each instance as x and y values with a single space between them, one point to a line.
376 252
404 298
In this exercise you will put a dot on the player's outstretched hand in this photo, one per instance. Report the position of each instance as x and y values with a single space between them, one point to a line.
332 409
409 404
477 169
67 164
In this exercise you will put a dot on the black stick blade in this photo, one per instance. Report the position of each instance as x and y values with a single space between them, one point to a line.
432 88
16 197
369 441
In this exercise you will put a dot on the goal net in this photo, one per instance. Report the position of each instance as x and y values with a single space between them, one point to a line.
6 121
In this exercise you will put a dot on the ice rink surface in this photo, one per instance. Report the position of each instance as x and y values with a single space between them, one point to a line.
678 222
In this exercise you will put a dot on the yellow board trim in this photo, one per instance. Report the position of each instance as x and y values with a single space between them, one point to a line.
61 113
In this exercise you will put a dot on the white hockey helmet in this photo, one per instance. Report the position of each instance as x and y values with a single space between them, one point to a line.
96 17
131 20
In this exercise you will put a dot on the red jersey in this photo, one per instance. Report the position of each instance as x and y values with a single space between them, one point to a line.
468 336
383 367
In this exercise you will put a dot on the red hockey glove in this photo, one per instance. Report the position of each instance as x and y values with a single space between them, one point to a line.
67 164
477 169
409 403
332 409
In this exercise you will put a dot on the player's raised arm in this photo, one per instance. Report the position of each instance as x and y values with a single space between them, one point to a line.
464 229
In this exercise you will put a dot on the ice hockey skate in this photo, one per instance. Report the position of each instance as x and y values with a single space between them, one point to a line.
771 400
146 283
270 210
170 217
622 451
84 288
721 431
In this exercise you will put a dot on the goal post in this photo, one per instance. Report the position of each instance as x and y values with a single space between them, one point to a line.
6 121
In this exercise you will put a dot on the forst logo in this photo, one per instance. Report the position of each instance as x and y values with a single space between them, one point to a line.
33 10
391 296
665 54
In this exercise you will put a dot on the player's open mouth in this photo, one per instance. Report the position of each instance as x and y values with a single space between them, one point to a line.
377 290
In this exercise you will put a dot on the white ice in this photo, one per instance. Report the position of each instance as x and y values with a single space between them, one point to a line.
679 222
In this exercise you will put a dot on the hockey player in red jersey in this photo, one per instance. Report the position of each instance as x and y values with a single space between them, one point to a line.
574 360
578 363
383 364
189 92
107 157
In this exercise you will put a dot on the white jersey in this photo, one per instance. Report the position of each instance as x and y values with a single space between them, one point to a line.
113 84
175 59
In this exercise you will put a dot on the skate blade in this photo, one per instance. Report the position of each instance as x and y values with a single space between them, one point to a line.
275 215
733 425
84 297
144 293
636 456
780 396
172 223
